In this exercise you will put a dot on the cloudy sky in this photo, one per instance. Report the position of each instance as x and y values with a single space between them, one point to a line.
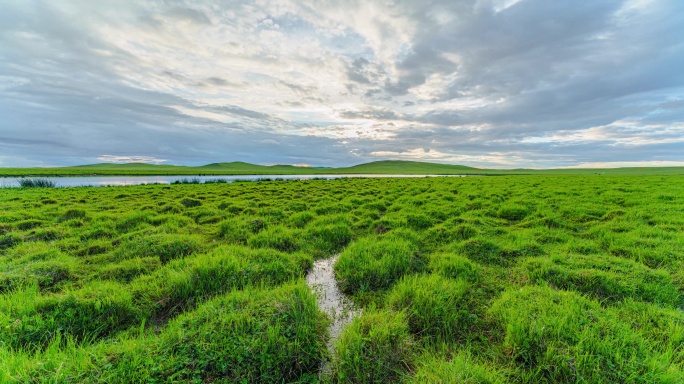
487 83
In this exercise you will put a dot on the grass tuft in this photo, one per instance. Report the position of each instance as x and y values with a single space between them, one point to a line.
372 264
374 348
37 183
461 368
436 307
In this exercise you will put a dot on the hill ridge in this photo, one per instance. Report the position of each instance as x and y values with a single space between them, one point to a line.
390 167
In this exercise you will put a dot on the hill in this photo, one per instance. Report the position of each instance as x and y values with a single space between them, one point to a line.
390 167
411 167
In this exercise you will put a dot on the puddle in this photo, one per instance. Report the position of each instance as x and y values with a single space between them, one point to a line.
331 300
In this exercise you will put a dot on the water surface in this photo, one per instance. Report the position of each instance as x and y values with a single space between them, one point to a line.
101 181
331 300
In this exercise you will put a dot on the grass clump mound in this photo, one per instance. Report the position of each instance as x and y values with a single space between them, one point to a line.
191 203
445 233
164 246
27 225
128 270
131 222
253 335
246 336
418 221
301 219
326 237
436 307
605 277
481 250
454 266
49 275
73 214
371 264
458 369
513 212
10 240
560 336
184 283
279 237
102 308
86 314
374 348
236 230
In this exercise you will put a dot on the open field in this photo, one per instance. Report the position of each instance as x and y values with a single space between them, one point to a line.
390 167
523 279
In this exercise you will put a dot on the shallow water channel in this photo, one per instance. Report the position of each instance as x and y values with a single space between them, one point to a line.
331 300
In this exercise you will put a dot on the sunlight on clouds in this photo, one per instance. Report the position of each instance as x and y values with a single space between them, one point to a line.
368 131
130 159
491 159
218 117
501 5
621 164
623 132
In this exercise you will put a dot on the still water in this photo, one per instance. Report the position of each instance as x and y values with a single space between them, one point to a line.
101 181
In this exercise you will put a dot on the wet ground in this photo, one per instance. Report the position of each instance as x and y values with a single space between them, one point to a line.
330 299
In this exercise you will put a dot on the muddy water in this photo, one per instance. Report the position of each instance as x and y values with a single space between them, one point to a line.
330 300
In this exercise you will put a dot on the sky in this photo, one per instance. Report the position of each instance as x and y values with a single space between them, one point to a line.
484 83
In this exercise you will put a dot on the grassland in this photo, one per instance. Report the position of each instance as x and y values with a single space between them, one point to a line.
522 279
390 167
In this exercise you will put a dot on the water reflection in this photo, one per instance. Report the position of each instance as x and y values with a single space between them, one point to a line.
102 181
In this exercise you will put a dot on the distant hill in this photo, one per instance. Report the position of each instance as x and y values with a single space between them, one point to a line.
411 167
390 167
239 166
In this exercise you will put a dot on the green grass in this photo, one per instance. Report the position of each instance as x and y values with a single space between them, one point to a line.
391 167
523 279
560 336
372 264
436 307
253 335
456 369
374 348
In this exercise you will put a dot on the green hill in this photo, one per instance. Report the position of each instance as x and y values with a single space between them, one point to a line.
391 167
239 166
410 167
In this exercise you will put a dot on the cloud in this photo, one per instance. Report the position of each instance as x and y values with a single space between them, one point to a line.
188 15
481 82
622 164
506 160
371 114
130 159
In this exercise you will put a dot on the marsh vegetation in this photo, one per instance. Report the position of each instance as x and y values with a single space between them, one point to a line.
36 183
524 279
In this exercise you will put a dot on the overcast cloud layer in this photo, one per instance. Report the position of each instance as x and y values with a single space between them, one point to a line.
492 83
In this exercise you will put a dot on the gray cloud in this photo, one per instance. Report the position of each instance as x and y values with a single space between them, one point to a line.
534 83
371 113
189 14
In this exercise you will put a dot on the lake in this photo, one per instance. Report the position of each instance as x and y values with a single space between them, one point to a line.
102 181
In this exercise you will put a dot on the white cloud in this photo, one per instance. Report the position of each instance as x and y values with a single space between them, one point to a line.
502 160
623 132
130 159
621 164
